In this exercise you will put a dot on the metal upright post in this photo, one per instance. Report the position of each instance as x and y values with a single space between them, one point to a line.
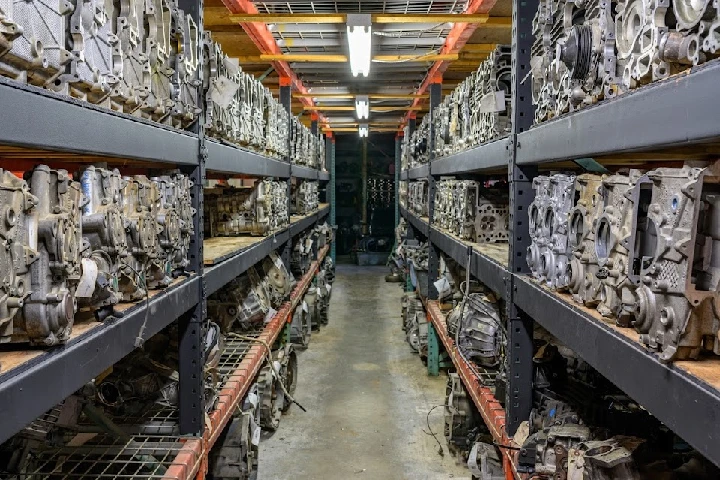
364 176
434 254
398 149
520 329
192 325
333 205
286 101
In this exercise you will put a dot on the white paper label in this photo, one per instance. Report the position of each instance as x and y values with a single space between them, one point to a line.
492 102
222 91
86 287
255 440
270 314
232 65
279 264
305 307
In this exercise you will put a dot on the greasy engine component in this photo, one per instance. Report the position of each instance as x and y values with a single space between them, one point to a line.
175 217
235 454
485 463
415 146
16 254
416 325
673 262
301 326
48 312
328 266
323 297
105 247
418 197
311 301
279 281
221 77
586 51
258 210
584 283
135 84
461 417
548 256
95 65
600 460
301 255
476 326
37 33
143 269
241 305
186 68
273 400
611 228
306 197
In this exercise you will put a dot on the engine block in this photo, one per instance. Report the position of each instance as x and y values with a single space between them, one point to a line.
476 326
306 198
258 210
418 197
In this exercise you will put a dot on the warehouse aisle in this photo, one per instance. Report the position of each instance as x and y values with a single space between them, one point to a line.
367 396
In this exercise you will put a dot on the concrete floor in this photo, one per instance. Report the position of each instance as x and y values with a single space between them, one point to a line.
367 395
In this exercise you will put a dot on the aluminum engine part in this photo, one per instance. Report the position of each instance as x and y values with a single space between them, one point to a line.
48 312
144 269
601 460
134 87
104 241
415 324
175 217
485 463
185 65
277 129
548 256
306 197
301 326
258 210
96 63
418 197
36 39
461 417
323 296
237 449
584 285
475 324
416 145
301 255
674 262
611 228
240 305
16 254
221 81
311 300
280 282
273 401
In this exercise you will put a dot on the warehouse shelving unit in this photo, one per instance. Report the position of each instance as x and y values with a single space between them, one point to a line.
680 115
43 127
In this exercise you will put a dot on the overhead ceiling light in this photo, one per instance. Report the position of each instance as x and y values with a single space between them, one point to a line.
359 35
364 130
362 107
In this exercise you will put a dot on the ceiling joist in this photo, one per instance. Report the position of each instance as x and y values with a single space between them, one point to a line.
377 18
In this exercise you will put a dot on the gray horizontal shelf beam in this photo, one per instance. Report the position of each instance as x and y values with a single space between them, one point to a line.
404 175
683 109
299 171
33 388
40 119
683 402
489 272
323 176
489 156
423 171
235 160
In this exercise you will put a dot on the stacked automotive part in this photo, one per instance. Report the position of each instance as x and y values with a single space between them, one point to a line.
418 197
640 248
478 110
306 149
258 210
415 146
90 244
471 210
141 58
585 52
305 197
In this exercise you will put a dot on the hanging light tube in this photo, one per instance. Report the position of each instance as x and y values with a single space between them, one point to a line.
362 107
359 35
363 130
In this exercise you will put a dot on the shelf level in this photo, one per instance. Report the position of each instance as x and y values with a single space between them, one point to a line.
678 111
418 223
685 396
298 171
493 155
42 381
219 271
39 119
423 171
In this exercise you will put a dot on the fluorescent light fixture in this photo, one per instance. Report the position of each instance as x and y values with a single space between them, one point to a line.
362 107
359 35
363 130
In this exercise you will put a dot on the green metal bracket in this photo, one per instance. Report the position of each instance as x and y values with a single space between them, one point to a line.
433 358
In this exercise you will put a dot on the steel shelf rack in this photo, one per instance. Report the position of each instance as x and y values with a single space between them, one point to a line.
418 172
226 158
664 117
